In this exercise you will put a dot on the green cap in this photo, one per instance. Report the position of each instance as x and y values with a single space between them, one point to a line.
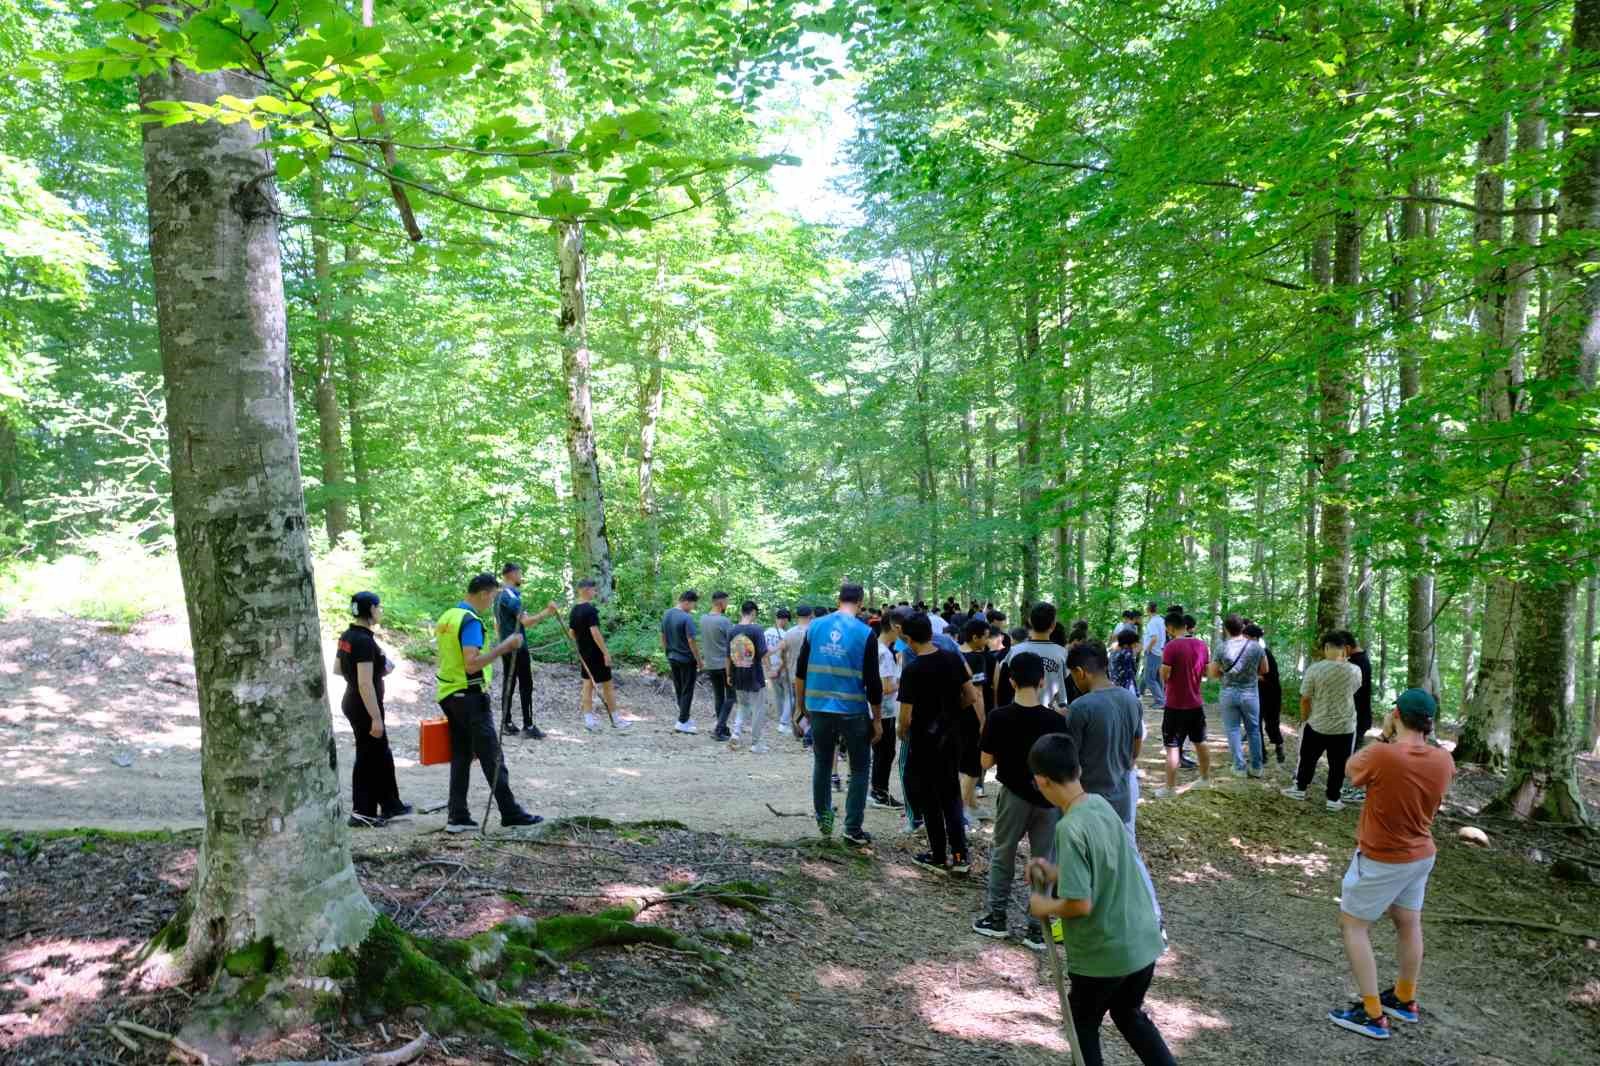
1417 703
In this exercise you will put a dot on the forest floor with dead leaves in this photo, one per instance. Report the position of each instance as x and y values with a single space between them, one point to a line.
856 959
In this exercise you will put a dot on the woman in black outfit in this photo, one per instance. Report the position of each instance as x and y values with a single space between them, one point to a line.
374 793
1270 688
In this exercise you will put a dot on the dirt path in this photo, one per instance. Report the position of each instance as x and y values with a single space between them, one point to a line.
864 960
76 700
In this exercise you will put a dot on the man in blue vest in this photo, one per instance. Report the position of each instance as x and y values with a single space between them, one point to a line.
837 685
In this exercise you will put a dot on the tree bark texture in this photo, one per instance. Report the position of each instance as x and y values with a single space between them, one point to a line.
1542 778
1029 386
591 543
1335 385
355 400
274 859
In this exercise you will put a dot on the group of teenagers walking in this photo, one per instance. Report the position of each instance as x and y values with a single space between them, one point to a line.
1058 721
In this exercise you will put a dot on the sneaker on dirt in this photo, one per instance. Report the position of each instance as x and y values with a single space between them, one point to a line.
1354 1018
1406 1012
859 838
461 825
521 818
1294 793
1334 805
926 860
960 864
686 727
509 730
992 925
825 823
759 749
361 821
591 723
1033 938
405 810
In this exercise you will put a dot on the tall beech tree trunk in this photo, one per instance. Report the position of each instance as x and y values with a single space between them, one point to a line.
1542 778
274 862
355 400
1335 377
1030 388
1590 650
335 508
592 545
1501 314
652 391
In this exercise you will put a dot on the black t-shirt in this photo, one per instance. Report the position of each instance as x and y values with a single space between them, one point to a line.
982 664
582 617
1364 693
1008 735
357 645
933 686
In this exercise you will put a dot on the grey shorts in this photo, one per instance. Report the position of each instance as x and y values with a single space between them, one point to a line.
1370 888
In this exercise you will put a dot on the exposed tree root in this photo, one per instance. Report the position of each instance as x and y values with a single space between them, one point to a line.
398 1057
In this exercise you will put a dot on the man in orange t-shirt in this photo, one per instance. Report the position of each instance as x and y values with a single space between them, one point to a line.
1406 779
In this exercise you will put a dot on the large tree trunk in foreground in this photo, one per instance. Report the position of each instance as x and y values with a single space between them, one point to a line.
592 556
1542 781
1335 385
274 862
336 512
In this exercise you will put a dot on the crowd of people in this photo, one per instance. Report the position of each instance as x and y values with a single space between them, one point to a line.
935 700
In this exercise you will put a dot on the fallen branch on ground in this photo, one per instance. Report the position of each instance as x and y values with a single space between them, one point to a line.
786 814
1521 923
156 1034
123 1038
397 1057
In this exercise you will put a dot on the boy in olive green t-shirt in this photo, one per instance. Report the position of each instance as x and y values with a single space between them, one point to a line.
1106 903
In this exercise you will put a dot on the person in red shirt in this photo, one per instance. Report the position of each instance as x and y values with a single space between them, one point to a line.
1406 779
1183 664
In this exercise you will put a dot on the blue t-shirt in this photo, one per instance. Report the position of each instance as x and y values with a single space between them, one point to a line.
471 628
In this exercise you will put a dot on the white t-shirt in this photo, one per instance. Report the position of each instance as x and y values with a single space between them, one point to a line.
774 656
888 670
939 624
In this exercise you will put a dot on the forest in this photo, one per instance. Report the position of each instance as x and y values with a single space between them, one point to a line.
1290 311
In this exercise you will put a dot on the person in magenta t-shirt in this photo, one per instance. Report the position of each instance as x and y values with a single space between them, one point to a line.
1183 664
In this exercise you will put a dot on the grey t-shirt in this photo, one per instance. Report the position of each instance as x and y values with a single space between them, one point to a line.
793 637
508 612
1240 659
677 626
717 628
1104 725
1053 693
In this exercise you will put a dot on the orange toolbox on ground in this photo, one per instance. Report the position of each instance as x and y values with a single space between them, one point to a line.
433 741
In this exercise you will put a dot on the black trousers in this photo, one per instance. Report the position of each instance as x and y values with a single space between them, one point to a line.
1272 720
373 789
472 735
721 696
518 666
1313 744
1363 723
1092 997
883 763
936 785
683 675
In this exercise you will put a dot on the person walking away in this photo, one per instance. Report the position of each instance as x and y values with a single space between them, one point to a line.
1183 662
885 631
935 691
1111 927
1238 661
1357 655
1155 643
1271 690
716 626
780 689
1020 810
1104 725
463 682
1406 779
793 639
678 633
1041 622
517 671
1328 712
980 661
837 686
747 651
374 793
1124 665
583 625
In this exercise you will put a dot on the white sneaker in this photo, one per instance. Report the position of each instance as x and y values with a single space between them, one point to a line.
686 727
1162 792
1294 793
591 723
1334 805
621 723
759 749
736 733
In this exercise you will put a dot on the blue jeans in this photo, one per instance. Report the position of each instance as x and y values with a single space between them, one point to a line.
912 817
1152 679
853 732
1242 707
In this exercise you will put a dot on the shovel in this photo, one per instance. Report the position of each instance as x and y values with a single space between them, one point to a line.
1037 881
